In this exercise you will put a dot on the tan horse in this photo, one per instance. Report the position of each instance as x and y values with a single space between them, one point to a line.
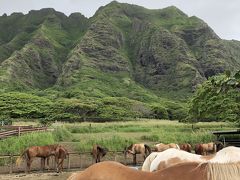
98 152
184 171
205 149
162 147
38 151
135 149
185 147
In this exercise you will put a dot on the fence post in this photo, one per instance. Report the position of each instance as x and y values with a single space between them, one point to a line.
115 156
11 164
19 131
68 162
80 161
125 160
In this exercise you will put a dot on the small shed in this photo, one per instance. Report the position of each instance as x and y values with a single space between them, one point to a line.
228 137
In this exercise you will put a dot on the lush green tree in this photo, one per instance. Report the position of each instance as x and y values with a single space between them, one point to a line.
218 99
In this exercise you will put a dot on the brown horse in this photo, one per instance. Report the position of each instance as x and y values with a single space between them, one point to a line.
162 147
205 149
61 154
184 171
98 152
38 151
185 147
135 149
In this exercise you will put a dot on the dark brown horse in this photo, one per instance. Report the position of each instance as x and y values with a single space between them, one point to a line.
98 152
186 147
135 149
184 171
38 151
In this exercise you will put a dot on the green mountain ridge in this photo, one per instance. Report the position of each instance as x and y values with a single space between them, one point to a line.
154 57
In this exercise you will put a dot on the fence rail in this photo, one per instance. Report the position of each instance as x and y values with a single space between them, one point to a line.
20 130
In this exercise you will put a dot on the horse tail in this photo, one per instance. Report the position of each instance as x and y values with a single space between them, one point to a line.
177 146
20 158
214 147
148 149
189 149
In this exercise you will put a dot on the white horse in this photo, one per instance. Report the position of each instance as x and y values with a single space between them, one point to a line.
171 157
228 154
148 161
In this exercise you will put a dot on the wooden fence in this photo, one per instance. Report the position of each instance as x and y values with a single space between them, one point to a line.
18 130
75 160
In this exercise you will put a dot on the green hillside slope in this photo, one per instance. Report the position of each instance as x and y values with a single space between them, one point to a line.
125 61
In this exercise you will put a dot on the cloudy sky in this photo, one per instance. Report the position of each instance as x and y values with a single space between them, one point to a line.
222 15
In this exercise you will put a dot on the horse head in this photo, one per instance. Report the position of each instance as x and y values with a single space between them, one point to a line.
219 145
102 150
127 150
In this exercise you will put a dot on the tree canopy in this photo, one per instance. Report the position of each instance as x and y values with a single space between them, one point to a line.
217 99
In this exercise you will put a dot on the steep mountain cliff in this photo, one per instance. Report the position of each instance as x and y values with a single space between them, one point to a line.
122 51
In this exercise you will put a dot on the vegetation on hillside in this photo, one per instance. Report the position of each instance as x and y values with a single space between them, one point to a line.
125 62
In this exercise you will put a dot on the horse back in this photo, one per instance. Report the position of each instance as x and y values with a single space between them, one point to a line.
42 151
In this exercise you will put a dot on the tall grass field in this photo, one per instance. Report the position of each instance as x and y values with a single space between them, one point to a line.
117 135
80 137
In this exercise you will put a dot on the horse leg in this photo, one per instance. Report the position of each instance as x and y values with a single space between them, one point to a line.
60 165
134 159
98 158
42 164
47 163
144 156
57 162
29 162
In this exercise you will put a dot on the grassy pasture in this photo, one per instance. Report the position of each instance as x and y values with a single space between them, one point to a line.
16 145
117 135
114 135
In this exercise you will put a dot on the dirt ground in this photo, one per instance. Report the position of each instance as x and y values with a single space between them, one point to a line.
36 176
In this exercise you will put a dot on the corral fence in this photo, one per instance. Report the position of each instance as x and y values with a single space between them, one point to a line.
18 130
75 160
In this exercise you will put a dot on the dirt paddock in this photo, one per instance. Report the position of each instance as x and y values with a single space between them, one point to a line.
37 176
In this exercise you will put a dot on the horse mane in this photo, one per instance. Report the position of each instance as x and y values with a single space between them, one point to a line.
229 154
147 148
100 148
129 147
217 171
